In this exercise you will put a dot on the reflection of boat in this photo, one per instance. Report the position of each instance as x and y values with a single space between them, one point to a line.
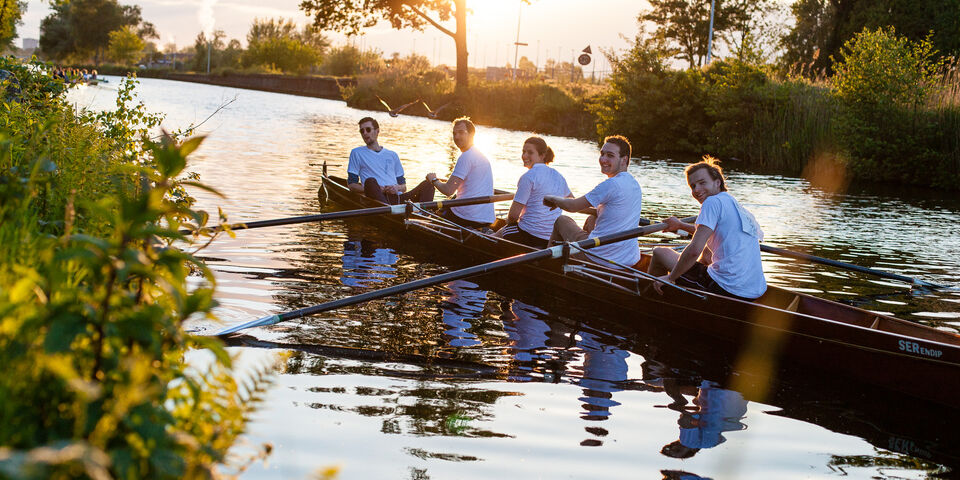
877 349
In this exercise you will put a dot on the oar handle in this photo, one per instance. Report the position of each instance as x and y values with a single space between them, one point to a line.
627 234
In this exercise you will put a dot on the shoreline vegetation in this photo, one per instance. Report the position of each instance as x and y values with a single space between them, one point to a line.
94 293
889 114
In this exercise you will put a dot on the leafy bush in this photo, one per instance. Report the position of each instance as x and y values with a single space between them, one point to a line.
348 61
771 122
657 109
93 296
279 45
883 84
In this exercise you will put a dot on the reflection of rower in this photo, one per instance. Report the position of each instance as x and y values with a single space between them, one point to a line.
604 366
716 410
364 264
465 302
527 332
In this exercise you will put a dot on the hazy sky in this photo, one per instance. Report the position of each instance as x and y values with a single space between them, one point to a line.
564 26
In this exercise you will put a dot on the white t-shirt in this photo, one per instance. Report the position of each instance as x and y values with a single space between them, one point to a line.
474 169
536 218
736 254
383 165
617 200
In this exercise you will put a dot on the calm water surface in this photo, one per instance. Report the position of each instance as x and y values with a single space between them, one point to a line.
528 390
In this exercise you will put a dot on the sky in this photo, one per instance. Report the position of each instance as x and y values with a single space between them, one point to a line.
551 28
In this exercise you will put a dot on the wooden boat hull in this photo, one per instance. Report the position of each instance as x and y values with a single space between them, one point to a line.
782 329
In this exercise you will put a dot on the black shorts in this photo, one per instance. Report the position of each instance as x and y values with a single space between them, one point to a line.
449 215
697 277
516 234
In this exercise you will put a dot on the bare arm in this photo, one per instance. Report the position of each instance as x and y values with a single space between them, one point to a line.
514 214
691 252
567 204
356 187
447 188
675 224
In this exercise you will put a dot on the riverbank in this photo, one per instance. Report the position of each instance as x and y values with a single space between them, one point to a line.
303 85
901 127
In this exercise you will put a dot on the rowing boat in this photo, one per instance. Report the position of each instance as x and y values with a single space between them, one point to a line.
781 329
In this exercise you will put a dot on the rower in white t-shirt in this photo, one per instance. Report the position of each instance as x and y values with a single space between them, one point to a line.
617 200
472 177
726 240
376 171
529 221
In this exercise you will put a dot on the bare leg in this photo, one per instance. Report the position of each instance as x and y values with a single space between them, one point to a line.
590 223
663 260
565 229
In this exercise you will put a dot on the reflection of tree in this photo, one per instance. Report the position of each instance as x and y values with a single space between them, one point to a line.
885 459
448 408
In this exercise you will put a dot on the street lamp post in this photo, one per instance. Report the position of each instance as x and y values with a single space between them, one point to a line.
517 44
710 36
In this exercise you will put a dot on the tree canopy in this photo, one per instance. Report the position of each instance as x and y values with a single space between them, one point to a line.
683 26
351 16
125 46
823 26
80 29
10 13
281 45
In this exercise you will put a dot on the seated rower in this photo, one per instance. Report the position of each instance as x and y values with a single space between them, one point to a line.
529 221
726 239
617 200
377 173
472 177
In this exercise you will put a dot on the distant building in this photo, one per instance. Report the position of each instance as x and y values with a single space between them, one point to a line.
30 43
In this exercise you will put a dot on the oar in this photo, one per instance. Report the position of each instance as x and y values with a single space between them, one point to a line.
552 252
364 212
848 266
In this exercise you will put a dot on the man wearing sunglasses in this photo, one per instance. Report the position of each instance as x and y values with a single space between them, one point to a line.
377 173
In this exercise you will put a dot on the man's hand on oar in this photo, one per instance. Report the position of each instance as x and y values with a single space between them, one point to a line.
365 212
552 252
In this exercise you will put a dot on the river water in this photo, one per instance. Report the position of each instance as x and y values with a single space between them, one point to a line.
528 390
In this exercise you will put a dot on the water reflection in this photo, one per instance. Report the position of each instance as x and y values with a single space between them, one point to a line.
604 366
463 302
713 411
534 378
365 265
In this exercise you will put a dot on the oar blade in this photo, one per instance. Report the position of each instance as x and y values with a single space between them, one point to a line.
260 322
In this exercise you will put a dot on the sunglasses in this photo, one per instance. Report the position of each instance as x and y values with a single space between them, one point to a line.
366 130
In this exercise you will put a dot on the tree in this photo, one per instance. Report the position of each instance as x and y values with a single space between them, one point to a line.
684 25
204 47
280 44
527 67
10 13
80 29
125 46
352 15
823 26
